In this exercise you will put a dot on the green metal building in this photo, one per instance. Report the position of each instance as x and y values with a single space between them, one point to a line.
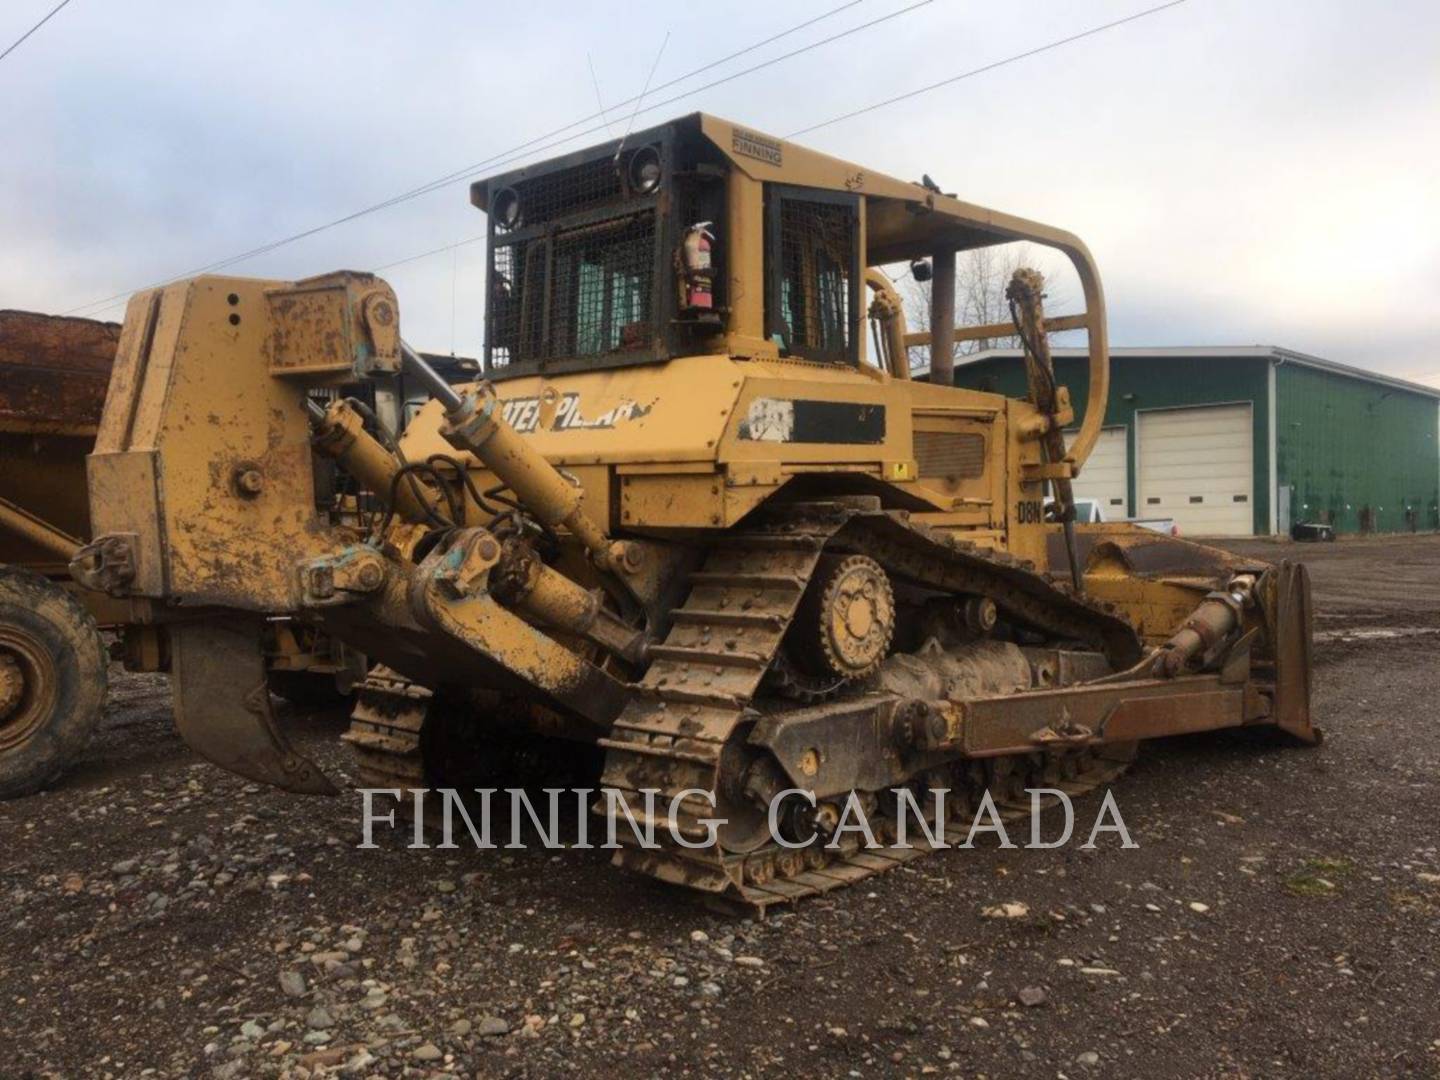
1235 441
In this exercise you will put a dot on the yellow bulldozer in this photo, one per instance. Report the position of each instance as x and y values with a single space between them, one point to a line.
697 515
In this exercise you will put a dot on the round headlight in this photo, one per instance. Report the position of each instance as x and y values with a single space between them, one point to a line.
505 208
645 171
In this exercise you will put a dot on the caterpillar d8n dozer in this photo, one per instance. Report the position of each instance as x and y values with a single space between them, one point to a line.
697 515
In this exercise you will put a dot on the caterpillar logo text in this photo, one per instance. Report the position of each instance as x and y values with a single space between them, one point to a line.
523 414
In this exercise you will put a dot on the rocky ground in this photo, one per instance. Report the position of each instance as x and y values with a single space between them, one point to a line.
160 918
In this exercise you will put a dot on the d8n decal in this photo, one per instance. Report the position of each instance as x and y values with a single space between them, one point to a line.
1029 512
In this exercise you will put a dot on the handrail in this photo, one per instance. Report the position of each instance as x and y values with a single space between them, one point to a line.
1098 346
889 311
1053 325
1092 321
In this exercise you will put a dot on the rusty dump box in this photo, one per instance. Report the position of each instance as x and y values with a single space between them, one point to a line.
54 372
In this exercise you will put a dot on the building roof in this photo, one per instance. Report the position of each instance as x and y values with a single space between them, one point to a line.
1241 352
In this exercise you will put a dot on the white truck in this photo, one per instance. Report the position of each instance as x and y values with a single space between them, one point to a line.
1089 512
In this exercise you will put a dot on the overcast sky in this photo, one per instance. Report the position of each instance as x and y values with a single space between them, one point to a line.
1244 171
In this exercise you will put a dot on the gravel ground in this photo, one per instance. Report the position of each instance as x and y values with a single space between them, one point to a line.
161 918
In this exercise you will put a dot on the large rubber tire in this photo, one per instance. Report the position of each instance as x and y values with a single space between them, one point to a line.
49 637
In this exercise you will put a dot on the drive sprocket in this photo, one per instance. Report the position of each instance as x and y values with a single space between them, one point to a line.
846 621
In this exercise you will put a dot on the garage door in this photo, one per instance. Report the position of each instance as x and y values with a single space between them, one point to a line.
1198 467
1106 473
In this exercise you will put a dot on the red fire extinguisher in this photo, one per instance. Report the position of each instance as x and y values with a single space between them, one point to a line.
697 285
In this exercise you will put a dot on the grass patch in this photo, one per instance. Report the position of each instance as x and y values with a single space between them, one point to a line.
1041 923
1404 900
1319 876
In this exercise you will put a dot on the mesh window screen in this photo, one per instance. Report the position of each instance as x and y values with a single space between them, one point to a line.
583 249
568 191
600 292
517 295
571 282
602 285
816 257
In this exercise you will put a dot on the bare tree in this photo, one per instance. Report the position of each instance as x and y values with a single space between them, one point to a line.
981 275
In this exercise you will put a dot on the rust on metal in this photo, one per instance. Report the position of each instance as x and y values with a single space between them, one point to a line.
53 372
222 705
53 375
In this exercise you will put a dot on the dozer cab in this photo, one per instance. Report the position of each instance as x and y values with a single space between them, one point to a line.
697 515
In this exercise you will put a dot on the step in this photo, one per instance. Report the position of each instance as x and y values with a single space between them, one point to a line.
650 750
776 541
743 580
688 616
676 696
683 654
374 740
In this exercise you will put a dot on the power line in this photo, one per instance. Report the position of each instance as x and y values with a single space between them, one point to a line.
988 67
891 101
21 39
531 145
530 149
902 97
520 150
427 254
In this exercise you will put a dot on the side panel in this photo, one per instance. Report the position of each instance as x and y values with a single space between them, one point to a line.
129 493
202 456
1360 454
669 412
959 456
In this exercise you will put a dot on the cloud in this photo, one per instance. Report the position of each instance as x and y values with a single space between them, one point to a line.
1243 172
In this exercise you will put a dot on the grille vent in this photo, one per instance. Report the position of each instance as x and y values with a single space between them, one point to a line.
958 455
